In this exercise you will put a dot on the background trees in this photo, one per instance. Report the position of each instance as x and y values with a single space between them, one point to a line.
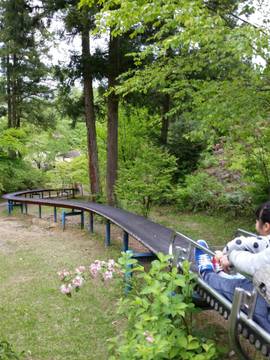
187 81
23 44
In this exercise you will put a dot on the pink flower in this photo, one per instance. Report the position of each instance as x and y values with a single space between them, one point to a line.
80 269
63 274
98 264
111 262
66 289
150 339
107 275
77 282
94 269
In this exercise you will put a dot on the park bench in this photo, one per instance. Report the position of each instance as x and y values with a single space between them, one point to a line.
157 238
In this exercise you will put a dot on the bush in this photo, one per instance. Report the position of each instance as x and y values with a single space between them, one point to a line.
158 313
18 175
202 191
157 308
66 173
146 180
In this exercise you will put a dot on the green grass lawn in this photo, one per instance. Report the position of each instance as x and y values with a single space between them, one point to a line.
217 229
36 317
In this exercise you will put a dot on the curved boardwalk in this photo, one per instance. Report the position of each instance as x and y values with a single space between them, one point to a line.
153 236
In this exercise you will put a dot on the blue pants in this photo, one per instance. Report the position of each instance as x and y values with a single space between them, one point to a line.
226 288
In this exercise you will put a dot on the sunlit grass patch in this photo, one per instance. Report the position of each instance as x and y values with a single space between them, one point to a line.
35 316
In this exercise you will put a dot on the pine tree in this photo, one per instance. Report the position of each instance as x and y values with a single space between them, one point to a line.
22 43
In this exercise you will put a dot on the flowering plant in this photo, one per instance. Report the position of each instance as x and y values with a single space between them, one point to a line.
74 280
157 309
158 312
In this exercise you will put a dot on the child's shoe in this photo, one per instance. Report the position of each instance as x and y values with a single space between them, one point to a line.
202 259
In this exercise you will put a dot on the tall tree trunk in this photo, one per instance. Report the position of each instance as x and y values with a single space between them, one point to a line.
165 108
8 91
90 116
14 93
112 122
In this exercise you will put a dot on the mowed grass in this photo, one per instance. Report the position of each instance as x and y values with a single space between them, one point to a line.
217 229
36 317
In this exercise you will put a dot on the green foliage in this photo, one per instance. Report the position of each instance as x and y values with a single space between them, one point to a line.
23 45
13 142
158 310
66 173
202 191
205 59
7 352
147 179
16 174
136 127
186 150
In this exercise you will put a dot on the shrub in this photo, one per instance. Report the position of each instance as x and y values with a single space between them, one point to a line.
158 316
202 191
157 309
146 180
17 174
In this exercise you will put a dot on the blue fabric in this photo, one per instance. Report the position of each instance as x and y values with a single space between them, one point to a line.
202 259
226 288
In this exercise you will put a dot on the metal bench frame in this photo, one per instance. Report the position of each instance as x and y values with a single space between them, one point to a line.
239 322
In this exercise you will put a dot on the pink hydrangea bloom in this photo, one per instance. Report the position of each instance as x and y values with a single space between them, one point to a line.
150 339
80 269
66 289
107 275
94 269
77 282
63 274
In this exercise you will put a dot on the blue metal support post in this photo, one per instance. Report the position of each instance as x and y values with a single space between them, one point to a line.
55 214
91 222
73 212
63 219
108 233
125 241
128 275
10 206
82 219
